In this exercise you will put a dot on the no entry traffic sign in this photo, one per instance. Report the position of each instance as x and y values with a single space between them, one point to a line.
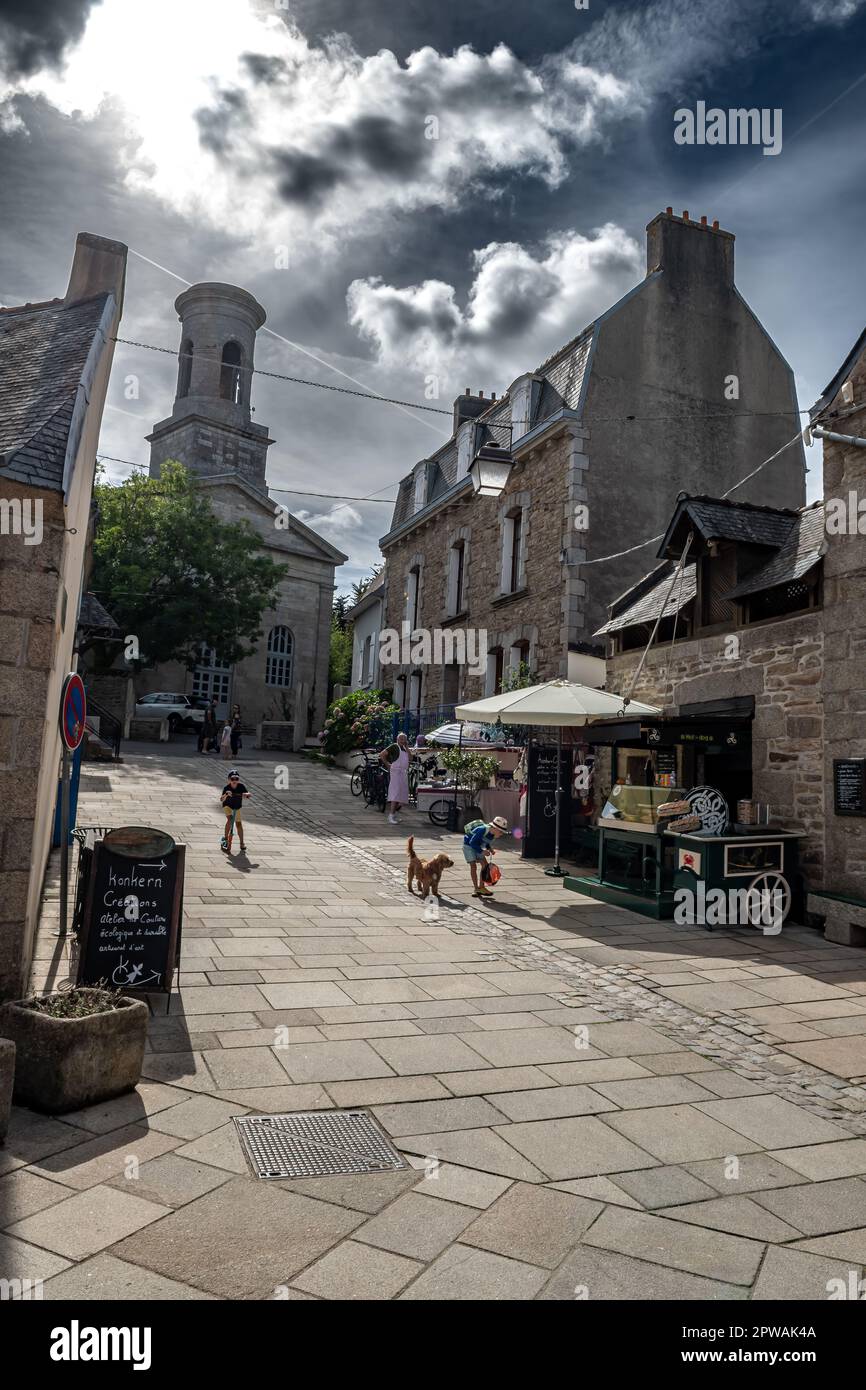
73 709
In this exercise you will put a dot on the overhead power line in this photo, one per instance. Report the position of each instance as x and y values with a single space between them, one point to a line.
291 491
443 410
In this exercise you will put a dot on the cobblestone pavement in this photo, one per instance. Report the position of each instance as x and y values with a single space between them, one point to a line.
592 1104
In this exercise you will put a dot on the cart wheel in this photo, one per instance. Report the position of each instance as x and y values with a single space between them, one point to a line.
439 810
769 884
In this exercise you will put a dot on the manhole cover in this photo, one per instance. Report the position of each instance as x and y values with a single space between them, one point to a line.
316 1143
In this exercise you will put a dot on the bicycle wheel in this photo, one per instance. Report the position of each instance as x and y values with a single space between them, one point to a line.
355 782
440 810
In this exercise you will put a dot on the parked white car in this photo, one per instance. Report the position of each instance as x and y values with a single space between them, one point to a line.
181 711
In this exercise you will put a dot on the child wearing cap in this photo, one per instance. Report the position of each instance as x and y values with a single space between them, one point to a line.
232 798
478 846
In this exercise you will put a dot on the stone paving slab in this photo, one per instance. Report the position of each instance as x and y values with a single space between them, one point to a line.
576 1063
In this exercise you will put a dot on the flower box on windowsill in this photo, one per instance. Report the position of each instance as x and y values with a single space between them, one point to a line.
502 599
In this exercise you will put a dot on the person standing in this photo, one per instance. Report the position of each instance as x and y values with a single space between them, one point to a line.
396 758
208 731
478 847
236 730
226 741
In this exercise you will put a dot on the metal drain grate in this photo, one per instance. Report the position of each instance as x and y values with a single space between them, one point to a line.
316 1143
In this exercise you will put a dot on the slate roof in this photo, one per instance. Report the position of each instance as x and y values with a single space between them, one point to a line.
801 551
562 383
93 614
831 390
718 519
43 352
646 608
799 546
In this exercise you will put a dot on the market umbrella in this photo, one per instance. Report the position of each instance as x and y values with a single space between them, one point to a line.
558 703
468 736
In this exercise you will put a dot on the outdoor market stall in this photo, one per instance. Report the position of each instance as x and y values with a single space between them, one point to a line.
555 704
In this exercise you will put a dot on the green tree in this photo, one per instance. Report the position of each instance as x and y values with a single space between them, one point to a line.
340 663
360 587
173 574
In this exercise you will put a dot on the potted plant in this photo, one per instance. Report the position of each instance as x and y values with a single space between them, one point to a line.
75 1048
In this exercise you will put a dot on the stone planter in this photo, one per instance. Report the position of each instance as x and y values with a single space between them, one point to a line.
7 1073
66 1063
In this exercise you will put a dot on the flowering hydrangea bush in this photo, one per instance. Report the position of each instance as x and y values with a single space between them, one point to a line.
351 719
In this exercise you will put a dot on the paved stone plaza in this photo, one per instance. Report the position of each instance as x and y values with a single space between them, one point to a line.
593 1104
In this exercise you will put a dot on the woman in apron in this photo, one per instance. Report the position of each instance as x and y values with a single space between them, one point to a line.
397 759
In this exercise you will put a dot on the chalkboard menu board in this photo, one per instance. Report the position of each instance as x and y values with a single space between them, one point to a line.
849 786
132 911
540 834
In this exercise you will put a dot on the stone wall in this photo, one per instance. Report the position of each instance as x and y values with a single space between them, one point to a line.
845 640
29 597
780 664
534 614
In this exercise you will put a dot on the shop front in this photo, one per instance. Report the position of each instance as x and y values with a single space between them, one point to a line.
674 810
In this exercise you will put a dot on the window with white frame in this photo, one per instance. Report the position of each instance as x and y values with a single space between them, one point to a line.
457 578
278 669
413 589
512 551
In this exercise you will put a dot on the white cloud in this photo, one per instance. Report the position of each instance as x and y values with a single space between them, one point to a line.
520 306
336 523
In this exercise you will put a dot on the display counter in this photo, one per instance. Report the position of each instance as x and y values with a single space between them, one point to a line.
635 860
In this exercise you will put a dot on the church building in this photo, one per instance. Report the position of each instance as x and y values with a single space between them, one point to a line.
211 431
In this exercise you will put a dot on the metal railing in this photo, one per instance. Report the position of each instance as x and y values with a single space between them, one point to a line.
110 727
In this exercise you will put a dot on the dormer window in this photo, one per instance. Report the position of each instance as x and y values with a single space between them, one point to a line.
420 495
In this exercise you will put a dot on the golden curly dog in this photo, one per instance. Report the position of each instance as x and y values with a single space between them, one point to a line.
425 872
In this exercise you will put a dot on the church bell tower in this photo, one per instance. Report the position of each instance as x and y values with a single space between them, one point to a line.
210 429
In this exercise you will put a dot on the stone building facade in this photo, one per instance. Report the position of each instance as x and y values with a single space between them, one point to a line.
839 419
211 431
676 386
55 361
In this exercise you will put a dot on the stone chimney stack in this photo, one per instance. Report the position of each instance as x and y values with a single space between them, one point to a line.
468 407
693 254
98 267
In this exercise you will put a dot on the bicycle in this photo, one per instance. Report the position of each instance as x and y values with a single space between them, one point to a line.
360 775
442 810
416 769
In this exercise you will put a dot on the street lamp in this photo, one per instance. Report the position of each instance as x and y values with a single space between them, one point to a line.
489 470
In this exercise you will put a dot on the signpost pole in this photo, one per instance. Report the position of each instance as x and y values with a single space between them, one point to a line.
73 713
64 844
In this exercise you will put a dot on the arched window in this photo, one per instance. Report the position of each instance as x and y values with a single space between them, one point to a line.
278 670
184 374
230 374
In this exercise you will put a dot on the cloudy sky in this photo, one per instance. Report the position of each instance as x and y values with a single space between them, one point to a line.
424 195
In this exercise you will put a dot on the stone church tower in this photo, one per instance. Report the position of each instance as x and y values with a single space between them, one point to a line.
211 431
210 428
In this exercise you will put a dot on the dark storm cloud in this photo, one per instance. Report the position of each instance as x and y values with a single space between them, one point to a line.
35 33
263 67
218 126
373 144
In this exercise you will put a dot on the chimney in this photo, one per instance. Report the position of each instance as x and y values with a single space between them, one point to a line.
99 266
467 407
691 254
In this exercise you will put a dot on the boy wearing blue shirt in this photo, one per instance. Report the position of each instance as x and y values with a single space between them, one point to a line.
478 846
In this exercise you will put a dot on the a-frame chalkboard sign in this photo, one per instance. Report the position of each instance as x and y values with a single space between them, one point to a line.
130 929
